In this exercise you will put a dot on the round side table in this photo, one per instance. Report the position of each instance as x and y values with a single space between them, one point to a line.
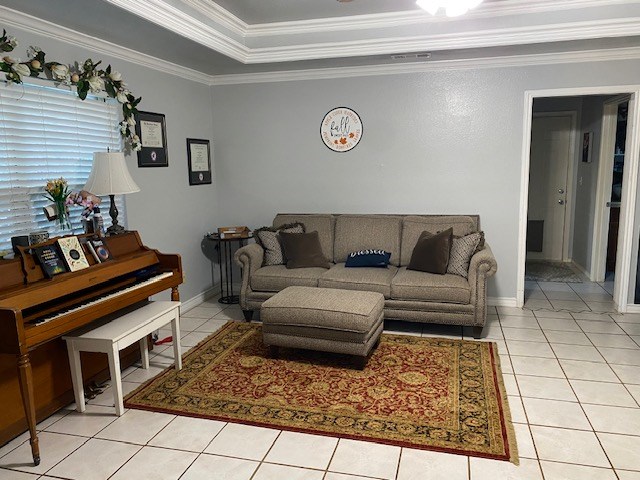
223 245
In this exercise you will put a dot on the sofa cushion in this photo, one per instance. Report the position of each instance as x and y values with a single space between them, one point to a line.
362 232
430 287
277 277
370 279
414 225
321 223
431 253
303 250
269 239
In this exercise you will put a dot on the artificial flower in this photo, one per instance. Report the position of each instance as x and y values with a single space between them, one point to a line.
60 72
96 84
21 69
131 121
75 78
32 52
122 97
115 76
9 60
36 64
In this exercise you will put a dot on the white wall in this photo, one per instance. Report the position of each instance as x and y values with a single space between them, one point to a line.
587 182
433 142
170 215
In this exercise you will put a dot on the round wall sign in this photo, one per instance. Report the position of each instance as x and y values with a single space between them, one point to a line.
341 129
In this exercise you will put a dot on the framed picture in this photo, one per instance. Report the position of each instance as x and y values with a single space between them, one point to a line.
199 161
587 146
150 127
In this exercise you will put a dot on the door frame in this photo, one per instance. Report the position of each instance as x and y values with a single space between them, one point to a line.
570 190
629 185
603 189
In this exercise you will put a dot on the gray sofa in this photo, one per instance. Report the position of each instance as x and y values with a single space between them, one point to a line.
409 295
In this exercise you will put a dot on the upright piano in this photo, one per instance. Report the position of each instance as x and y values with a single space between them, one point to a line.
35 312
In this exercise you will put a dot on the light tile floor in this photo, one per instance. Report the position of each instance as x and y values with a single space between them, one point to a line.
573 381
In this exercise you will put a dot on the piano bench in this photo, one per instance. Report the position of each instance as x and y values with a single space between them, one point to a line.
117 334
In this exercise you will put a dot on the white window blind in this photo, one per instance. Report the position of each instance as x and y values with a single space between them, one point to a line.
46 133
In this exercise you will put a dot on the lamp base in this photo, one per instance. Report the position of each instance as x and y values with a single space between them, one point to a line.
115 230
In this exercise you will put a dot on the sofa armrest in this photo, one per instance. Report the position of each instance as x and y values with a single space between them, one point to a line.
250 258
483 262
483 265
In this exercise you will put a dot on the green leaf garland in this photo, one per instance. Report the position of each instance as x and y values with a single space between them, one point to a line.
87 78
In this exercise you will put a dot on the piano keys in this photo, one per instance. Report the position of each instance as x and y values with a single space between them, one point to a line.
35 312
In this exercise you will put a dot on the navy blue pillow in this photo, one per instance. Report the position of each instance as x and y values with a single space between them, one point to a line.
368 258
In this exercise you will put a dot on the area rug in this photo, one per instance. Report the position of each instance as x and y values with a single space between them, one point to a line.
426 393
548 271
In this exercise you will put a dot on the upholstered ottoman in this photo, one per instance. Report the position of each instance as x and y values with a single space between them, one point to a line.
324 319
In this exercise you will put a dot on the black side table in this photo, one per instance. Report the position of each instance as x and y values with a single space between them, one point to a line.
223 245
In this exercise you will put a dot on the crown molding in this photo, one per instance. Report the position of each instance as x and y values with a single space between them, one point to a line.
630 53
174 19
219 15
415 17
50 30
177 21
478 39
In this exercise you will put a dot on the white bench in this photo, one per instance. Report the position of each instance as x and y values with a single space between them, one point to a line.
118 334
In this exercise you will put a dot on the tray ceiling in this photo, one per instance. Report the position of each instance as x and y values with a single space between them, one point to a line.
240 36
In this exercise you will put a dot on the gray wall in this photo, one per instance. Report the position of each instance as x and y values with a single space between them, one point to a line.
434 142
170 215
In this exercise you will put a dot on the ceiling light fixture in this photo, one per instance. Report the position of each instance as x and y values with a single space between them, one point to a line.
452 8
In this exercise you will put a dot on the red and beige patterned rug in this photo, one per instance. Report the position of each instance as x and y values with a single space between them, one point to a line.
428 393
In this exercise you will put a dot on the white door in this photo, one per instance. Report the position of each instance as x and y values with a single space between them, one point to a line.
550 150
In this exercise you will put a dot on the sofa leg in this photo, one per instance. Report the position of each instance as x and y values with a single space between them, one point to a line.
248 315
477 333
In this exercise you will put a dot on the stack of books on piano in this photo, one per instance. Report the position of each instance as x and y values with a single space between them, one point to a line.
67 254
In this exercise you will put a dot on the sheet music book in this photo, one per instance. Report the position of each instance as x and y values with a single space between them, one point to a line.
73 254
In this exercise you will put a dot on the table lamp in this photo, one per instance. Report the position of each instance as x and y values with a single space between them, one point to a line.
110 176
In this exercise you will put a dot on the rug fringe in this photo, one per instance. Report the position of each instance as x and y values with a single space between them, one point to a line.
511 432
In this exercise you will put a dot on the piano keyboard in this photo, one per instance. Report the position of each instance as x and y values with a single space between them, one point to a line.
105 298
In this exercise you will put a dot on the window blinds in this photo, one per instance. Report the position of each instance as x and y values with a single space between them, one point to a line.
46 133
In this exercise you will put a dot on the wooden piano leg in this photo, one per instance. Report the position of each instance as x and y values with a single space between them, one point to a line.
175 294
26 388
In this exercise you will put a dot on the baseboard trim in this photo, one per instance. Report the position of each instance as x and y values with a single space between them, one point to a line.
502 302
201 297
633 308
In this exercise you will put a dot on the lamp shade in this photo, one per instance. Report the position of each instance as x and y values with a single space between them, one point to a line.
109 175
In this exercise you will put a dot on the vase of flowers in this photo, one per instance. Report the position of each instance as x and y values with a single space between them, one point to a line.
57 191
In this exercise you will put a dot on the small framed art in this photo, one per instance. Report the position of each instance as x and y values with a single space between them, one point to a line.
150 127
199 156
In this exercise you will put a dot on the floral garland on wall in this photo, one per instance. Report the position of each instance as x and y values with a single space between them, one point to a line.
86 78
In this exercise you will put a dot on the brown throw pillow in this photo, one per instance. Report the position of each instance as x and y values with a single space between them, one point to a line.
431 253
303 250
